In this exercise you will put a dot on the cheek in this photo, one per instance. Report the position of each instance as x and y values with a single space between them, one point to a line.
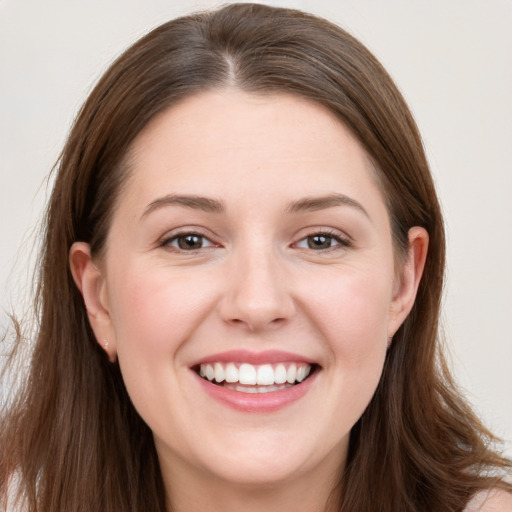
155 309
359 332
352 310
353 318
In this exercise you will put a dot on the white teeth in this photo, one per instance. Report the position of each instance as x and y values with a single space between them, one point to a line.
231 373
303 372
247 389
280 374
219 372
264 377
256 389
247 374
291 374
210 372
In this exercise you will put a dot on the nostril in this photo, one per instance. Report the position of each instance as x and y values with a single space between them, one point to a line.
256 325
237 322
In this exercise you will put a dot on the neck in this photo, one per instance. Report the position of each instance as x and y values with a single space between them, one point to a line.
228 498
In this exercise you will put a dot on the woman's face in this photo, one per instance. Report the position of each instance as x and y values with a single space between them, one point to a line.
250 243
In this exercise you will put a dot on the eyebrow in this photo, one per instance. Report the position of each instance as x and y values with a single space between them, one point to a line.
323 202
210 205
188 201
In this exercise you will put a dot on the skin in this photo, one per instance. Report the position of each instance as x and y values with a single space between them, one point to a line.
257 285
494 500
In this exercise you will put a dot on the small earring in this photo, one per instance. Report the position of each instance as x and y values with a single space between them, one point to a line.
106 344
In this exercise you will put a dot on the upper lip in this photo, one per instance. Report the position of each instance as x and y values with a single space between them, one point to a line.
255 358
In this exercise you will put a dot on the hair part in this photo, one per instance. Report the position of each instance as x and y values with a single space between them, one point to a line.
73 440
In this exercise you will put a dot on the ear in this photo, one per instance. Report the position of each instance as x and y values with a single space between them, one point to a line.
92 285
408 280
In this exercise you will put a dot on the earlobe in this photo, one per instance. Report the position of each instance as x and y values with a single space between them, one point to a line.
409 278
92 285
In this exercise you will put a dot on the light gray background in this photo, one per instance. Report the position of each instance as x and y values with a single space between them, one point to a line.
452 59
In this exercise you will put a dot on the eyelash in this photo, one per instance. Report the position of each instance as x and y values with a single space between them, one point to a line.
184 234
331 235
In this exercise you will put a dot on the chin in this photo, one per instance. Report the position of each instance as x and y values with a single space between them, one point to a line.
265 460
258 473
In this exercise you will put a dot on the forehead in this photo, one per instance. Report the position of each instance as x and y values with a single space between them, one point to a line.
230 143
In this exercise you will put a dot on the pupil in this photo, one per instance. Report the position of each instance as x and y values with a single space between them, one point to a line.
190 242
319 242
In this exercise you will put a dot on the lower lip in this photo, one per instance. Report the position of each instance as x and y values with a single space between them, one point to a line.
257 402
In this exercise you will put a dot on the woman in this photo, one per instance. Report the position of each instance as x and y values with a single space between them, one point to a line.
240 290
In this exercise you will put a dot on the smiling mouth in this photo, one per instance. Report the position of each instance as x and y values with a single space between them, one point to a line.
249 378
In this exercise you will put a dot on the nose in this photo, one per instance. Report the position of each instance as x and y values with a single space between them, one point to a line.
257 295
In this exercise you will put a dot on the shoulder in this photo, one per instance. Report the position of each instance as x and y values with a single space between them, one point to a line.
495 500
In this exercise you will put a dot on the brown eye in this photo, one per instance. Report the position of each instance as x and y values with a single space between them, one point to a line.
189 242
320 241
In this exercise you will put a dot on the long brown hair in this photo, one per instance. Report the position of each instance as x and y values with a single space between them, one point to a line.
71 439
